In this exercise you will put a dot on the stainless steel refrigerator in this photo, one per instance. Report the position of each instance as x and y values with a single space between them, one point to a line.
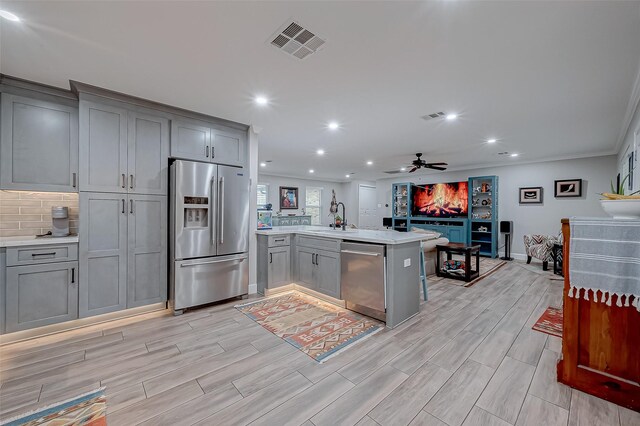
209 233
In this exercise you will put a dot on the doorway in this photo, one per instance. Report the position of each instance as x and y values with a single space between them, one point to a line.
367 208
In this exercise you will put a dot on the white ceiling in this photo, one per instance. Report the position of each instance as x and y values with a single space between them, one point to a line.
547 79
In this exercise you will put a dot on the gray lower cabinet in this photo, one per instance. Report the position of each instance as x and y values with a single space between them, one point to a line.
305 258
327 273
279 267
103 253
147 250
39 295
38 144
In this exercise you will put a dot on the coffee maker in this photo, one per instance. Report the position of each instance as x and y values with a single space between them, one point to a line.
59 221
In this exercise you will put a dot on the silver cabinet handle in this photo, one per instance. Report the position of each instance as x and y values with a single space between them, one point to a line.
270 257
363 253
317 264
206 151
131 206
73 179
124 178
313 258
123 206
131 181
221 204
279 241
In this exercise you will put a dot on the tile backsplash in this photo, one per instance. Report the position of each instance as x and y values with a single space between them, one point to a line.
24 213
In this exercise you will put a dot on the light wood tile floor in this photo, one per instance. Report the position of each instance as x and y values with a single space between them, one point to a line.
469 358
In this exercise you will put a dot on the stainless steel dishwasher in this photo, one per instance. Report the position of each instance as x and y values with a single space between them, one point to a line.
363 278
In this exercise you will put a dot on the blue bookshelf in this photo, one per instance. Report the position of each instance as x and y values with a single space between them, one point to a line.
483 214
401 205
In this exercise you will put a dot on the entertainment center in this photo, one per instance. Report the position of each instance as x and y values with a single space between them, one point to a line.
463 212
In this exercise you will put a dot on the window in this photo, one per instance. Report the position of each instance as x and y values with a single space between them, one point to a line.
263 195
313 204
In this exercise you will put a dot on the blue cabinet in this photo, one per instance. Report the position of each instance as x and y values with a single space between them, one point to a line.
483 214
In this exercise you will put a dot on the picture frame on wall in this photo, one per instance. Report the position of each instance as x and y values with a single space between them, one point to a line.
531 195
568 188
288 198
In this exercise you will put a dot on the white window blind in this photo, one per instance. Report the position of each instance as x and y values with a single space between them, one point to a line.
313 204
263 195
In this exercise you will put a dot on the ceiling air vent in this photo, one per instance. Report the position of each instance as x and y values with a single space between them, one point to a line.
432 116
296 41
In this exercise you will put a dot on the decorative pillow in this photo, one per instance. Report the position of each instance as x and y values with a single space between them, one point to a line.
433 235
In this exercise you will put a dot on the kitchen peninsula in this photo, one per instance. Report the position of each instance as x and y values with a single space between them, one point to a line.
373 272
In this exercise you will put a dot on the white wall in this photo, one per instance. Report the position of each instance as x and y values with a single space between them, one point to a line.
275 182
596 173
631 142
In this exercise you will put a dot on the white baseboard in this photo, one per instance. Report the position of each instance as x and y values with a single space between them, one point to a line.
519 256
253 288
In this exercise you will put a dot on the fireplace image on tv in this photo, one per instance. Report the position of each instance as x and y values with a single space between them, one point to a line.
440 200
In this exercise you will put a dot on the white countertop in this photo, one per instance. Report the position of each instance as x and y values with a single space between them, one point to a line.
32 240
364 235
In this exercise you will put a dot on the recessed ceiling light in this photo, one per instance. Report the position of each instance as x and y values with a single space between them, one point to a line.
452 116
261 100
347 176
369 163
515 154
333 125
402 169
311 170
320 152
491 140
9 16
263 164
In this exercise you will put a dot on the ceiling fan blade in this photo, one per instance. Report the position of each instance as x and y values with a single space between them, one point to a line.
436 167
413 169
437 164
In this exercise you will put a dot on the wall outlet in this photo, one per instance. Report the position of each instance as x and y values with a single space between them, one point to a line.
407 263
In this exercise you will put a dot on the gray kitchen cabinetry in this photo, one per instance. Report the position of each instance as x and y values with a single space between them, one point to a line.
147 250
39 295
195 140
38 144
103 253
327 273
318 264
305 258
123 251
121 150
274 262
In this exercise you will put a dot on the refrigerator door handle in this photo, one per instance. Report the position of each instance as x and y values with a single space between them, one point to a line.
237 259
212 207
221 204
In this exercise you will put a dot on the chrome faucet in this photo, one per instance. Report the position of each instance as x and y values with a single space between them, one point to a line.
344 215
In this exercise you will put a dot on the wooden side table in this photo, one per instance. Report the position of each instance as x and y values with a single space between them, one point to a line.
463 249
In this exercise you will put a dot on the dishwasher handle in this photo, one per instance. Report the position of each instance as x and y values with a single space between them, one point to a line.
362 253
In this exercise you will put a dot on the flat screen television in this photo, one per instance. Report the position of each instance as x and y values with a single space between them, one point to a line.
440 199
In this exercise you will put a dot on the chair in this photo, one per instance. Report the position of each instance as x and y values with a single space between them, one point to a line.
541 247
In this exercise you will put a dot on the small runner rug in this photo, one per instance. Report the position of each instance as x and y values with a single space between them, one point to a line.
88 409
550 322
319 329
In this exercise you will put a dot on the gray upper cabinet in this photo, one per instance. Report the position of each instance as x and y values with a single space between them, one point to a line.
103 253
148 153
103 147
327 273
228 146
147 250
39 295
190 140
279 267
38 145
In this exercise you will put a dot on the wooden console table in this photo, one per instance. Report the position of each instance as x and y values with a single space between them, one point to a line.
600 345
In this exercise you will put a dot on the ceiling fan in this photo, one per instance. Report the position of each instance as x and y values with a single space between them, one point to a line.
419 163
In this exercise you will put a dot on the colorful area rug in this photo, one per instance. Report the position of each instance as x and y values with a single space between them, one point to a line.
88 409
487 267
319 329
550 322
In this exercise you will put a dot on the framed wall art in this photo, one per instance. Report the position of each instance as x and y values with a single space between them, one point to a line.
288 198
531 195
568 188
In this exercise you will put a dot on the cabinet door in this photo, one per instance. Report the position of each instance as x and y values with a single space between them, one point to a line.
279 267
328 273
457 234
41 295
39 145
228 146
103 253
147 250
306 266
148 159
103 147
190 141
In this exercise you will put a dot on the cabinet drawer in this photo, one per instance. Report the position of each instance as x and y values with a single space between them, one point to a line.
31 255
279 240
318 243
